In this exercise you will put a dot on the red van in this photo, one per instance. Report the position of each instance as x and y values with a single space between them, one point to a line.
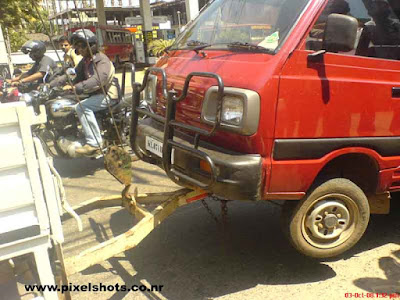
295 100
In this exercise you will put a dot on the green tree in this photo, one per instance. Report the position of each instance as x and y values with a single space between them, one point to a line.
20 17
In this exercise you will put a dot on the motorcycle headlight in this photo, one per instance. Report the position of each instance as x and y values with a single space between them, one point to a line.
240 110
26 98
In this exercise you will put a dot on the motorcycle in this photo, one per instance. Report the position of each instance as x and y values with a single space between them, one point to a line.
62 133
9 93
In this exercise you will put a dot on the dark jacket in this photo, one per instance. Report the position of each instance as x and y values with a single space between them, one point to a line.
87 80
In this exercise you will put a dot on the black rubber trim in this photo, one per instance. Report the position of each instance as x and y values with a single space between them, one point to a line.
19 234
396 92
287 149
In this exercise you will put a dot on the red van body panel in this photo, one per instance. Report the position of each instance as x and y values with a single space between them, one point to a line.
253 75
341 97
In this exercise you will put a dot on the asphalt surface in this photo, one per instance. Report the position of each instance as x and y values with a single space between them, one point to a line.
193 258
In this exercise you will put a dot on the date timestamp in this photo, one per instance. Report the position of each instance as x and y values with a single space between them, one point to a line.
372 295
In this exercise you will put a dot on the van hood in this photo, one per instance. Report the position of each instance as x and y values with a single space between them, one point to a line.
244 70
233 67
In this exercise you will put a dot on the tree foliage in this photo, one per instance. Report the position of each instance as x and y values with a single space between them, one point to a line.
19 17
14 13
158 46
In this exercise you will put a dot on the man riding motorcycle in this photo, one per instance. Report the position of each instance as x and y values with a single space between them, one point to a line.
88 81
42 65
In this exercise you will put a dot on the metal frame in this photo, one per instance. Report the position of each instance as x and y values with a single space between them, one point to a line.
170 124
149 220
25 152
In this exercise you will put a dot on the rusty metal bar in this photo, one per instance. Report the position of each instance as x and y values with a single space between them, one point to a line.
169 202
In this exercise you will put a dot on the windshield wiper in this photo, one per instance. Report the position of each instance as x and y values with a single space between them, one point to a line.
248 46
197 45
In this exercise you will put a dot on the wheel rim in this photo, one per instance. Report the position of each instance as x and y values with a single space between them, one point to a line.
330 221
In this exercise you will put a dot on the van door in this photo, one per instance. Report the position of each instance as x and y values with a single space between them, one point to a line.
346 99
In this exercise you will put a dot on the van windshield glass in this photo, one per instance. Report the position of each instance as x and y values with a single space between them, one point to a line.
245 25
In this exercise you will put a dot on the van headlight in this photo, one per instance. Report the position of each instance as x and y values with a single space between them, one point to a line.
150 90
232 110
240 109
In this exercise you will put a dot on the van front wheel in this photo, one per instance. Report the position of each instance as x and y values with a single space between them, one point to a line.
329 220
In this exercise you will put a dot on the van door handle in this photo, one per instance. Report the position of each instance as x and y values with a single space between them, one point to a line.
396 92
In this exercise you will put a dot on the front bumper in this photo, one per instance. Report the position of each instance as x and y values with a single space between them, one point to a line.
238 176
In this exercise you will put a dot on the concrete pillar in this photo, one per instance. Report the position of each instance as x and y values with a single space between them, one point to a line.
145 12
101 14
147 28
63 24
192 9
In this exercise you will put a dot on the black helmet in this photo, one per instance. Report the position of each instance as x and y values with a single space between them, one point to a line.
84 36
35 49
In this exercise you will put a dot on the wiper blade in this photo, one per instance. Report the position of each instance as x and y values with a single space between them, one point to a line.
248 46
197 45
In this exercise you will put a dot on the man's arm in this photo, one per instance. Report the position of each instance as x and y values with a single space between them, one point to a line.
63 79
18 78
31 78
25 77
103 78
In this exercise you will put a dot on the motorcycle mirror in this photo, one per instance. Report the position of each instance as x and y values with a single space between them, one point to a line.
46 75
71 72
45 88
5 74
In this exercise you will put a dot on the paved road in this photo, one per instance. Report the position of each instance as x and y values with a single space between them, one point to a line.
191 257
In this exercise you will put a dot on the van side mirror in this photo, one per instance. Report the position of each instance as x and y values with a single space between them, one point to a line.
340 33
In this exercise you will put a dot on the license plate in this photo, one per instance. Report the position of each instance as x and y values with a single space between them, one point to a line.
156 147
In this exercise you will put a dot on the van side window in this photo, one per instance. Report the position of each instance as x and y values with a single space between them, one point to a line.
378 30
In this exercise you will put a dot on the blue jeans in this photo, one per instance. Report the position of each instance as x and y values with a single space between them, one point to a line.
89 124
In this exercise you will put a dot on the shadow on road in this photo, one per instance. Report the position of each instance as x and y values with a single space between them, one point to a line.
190 256
77 167
387 230
389 286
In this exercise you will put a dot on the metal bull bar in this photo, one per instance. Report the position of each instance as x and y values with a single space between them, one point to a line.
170 124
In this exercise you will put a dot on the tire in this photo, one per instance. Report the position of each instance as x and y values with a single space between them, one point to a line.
329 220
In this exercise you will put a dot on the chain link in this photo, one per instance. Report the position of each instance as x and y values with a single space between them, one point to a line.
210 211
224 212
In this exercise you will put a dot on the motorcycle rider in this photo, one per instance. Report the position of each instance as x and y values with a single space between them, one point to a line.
42 65
88 81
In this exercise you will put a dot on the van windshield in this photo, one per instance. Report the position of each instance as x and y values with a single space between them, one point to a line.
251 25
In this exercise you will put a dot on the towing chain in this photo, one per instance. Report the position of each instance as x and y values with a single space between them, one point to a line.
208 209
224 211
